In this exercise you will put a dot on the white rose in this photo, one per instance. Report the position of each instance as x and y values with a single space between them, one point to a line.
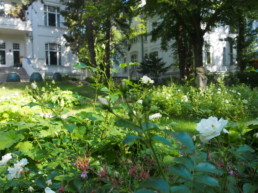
48 190
146 80
154 116
5 159
49 182
210 128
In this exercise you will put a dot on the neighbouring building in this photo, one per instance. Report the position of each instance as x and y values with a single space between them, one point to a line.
219 52
35 39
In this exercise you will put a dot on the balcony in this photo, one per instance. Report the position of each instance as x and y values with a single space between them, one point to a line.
14 25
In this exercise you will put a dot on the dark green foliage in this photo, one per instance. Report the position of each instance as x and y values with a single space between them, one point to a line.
248 78
153 67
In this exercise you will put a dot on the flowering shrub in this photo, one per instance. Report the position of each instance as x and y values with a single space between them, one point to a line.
125 147
235 103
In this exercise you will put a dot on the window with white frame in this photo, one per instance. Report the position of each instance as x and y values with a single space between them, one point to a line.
53 54
52 16
134 58
2 12
2 54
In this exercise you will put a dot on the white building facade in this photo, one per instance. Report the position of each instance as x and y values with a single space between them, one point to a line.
35 41
219 52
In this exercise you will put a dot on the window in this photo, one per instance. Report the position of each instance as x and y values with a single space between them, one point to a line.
52 16
53 54
2 12
16 46
134 58
207 54
2 54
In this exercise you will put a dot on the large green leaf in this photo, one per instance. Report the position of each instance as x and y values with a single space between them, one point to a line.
186 161
185 139
156 184
70 127
145 191
207 180
180 189
131 139
162 140
207 167
244 148
181 171
25 147
9 138
249 188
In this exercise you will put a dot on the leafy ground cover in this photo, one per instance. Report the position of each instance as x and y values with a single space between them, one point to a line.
134 138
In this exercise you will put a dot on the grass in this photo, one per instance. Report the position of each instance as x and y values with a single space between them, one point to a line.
12 87
8 88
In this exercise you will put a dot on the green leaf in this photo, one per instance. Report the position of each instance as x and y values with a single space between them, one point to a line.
249 188
207 180
156 184
7 139
127 124
185 139
105 89
150 126
145 191
25 148
181 171
124 65
186 161
130 139
70 127
207 167
162 140
244 148
180 189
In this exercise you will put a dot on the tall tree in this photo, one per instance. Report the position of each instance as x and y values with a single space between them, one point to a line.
92 26
192 19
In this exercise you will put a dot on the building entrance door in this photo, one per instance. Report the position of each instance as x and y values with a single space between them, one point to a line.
16 55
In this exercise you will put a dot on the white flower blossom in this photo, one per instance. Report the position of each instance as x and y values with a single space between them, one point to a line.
226 101
146 80
5 159
31 189
154 116
210 128
48 190
245 101
103 101
139 101
33 85
185 98
15 172
49 182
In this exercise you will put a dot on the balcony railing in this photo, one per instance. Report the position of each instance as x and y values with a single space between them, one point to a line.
14 23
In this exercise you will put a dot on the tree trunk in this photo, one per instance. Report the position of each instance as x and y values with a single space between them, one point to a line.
107 49
91 41
181 52
197 49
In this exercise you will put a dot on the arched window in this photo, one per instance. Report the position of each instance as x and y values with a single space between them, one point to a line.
53 54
